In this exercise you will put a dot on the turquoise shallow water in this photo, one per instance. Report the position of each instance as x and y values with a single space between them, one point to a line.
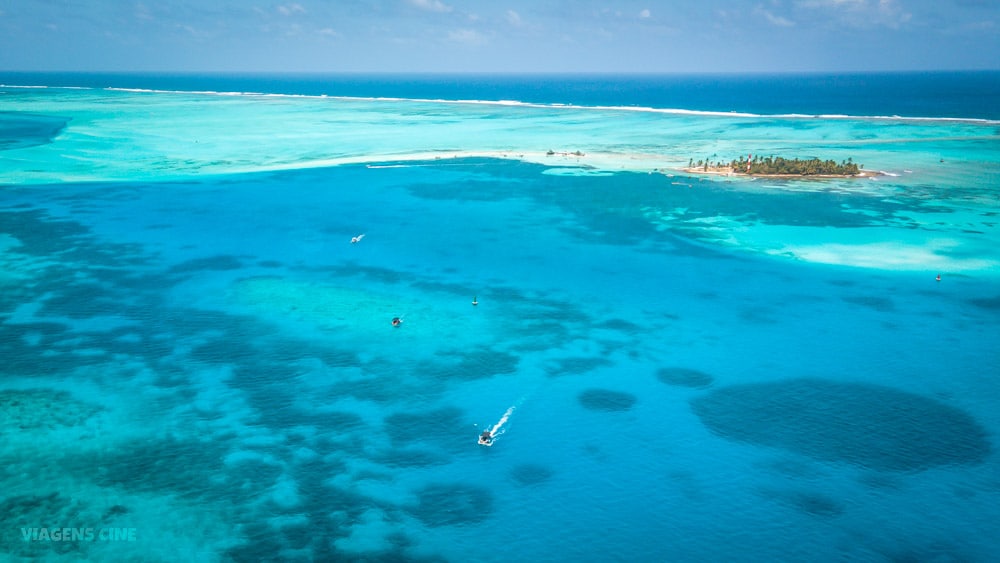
700 368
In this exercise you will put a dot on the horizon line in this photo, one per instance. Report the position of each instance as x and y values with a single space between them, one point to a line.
508 72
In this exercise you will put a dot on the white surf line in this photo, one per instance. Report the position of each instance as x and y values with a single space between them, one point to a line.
545 105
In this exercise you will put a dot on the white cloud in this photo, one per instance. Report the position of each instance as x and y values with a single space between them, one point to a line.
431 5
142 12
862 13
779 21
644 14
467 37
892 12
982 25
190 30
833 3
289 9
513 18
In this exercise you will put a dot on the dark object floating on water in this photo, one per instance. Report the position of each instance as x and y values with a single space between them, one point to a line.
606 400
486 438
867 425
685 377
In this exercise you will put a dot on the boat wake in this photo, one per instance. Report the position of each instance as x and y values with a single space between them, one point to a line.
497 430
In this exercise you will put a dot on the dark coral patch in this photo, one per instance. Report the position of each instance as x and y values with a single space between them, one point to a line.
409 457
487 363
620 325
990 303
81 301
218 263
453 504
112 512
880 304
606 400
576 366
867 425
475 364
27 511
20 130
39 234
41 409
442 427
811 503
528 474
685 377
186 467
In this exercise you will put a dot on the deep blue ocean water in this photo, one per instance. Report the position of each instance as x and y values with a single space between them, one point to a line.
678 367
970 94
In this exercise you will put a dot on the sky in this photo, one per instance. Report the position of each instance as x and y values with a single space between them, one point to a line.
656 36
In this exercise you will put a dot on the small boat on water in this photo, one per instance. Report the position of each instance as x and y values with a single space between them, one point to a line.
486 438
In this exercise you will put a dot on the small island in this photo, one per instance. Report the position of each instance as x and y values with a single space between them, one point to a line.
779 167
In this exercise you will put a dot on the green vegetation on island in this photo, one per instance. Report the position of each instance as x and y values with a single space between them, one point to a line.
778 166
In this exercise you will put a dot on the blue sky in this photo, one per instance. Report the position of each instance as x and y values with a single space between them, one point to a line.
499 35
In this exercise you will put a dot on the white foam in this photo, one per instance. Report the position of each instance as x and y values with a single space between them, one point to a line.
496 432
889 256
553 105
42 87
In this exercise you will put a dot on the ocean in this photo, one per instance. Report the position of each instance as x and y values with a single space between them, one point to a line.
200 273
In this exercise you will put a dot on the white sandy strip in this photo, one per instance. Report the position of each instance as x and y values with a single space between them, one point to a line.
890 256
601 161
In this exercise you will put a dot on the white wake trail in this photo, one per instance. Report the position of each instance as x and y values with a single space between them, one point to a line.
502 421
498 429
